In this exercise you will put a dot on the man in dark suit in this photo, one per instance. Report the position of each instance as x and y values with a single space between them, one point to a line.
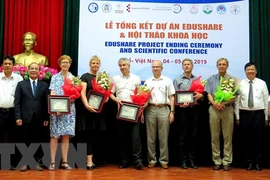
31 111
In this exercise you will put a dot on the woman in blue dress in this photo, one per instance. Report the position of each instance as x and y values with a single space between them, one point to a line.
61 125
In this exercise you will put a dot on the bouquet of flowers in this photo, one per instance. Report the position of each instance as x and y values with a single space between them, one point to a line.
204 82
141 95
102 84
45 72
225 90
21 70
72 87
197 85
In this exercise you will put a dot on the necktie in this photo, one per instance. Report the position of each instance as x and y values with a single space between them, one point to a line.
34 88
250 95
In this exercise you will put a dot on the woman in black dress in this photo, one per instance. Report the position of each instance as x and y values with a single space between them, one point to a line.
88 120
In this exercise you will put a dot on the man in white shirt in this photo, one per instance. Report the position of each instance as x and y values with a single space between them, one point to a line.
251 110
8 83
159 114
124 86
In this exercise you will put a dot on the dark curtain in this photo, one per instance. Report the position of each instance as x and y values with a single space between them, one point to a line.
43 17
1 27
71 32
260 37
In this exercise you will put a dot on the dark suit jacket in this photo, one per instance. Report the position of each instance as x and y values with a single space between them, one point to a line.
26 104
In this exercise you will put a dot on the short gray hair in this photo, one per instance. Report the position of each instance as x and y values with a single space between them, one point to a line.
187 59
221 59
124 59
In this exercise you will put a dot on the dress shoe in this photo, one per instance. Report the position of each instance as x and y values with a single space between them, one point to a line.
91 167
164 166
226 168
123 165
12 168
23 168
193 165
151 165
39 168
43 166
183 165
249 168
139 166
216 167
258 168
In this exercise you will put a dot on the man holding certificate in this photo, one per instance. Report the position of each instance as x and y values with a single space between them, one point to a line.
186 115
124 86
159 114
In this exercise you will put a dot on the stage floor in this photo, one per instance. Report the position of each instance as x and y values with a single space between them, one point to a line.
111 172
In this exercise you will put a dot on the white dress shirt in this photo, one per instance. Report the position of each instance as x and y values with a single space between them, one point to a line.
162 89
260 97
31 82
7 90
125 86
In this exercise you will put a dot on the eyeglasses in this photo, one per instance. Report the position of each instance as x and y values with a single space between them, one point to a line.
64 62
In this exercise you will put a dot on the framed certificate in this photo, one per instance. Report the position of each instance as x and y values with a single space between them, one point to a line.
128 112
182 97
59 104
96 100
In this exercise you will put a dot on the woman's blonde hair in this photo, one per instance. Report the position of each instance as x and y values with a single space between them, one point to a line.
64 57
95 57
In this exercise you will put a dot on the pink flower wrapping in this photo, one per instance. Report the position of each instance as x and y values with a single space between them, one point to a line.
72 88
141 95
102 84
98 88
197 85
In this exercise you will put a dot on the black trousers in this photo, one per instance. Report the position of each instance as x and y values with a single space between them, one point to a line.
88 137
7 125
34 132
186 120
130 141
8 131
252 126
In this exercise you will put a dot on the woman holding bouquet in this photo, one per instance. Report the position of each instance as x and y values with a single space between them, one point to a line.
88 120
61 125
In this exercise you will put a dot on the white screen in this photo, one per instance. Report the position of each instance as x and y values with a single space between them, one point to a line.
203 31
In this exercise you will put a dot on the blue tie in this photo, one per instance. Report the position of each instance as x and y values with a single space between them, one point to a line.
34 88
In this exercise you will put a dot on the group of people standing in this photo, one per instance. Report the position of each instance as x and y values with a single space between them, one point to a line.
24 103
24 111
250 107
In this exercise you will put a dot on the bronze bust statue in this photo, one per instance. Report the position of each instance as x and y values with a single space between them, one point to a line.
29 56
